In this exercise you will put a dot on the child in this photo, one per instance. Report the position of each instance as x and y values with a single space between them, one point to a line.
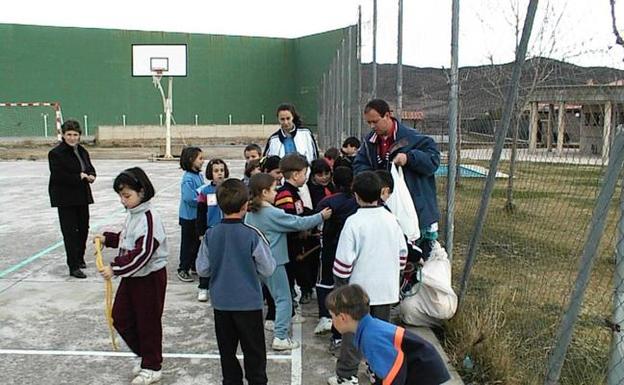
138 306
208 211
415 255
350 147
270 165
320 181
343 205
191 161
331 155
252 151
233 254
251 168
295 169
396 356
274 224
371 252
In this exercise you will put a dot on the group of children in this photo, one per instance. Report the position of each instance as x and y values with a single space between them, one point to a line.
286 224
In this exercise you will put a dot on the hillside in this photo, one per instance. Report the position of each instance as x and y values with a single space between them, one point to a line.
482 88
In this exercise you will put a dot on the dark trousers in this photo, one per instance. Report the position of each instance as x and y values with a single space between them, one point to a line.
137 316
349 358
246 327
189 245
75 228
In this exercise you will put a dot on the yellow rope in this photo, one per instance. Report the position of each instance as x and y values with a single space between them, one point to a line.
108 307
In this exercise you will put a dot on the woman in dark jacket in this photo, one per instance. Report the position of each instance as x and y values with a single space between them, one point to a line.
71 173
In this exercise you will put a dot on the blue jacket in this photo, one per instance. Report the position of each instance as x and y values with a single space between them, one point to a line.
233 255
188 194
275 224
398 356
423 159
209 213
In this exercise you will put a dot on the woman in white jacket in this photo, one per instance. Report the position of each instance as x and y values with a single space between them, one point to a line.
291 136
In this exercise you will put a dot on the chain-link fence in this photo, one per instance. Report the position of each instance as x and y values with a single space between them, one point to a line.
536 269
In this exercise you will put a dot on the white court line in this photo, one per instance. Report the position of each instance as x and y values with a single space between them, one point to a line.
295 362
96 353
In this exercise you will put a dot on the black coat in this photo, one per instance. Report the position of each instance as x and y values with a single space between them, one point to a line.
65 187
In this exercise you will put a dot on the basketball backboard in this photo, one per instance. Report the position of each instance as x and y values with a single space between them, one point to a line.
162 59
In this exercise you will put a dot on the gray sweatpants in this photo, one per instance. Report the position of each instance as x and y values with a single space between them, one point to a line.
349 358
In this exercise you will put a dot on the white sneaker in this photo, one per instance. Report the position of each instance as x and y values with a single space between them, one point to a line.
284 344
297 319
336 380
324 325
202 295
269 325
147 376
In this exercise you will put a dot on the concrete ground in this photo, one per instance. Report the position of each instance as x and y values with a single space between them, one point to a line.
52 327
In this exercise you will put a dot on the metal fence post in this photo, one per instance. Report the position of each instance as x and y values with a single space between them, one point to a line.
597 225
453 115
615 370
510 101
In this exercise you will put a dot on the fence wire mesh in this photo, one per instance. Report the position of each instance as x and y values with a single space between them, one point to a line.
551 172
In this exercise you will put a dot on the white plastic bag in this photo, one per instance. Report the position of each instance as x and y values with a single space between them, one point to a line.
402 206
435 299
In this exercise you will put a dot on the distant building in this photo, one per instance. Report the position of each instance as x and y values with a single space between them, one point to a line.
592 110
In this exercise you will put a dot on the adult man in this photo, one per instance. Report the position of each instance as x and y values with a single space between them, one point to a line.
392 142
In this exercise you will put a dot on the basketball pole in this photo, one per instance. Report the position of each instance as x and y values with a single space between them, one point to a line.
168 107
168 112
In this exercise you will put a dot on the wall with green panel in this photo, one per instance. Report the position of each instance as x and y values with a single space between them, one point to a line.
88 72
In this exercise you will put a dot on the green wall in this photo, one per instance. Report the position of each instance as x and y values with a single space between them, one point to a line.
88 72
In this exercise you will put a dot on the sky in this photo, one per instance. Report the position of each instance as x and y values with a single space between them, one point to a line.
577 31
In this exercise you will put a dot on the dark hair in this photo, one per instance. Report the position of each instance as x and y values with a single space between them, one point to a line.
319 166
212 163
385 178
289 107
253 147
332 153
379 105
135 179
71 125
348 299
291 163
232 195
269 163
367 186
257 184
188 156
343 178
351 141
250 166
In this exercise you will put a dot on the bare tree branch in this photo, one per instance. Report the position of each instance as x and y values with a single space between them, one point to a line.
618 37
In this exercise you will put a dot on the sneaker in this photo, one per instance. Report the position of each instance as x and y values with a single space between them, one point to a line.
284 344
202 295
297 319
77 273
337 380
324 325
334 346
147 376
269 325
184 276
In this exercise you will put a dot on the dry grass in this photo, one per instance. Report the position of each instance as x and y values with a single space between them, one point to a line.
525 269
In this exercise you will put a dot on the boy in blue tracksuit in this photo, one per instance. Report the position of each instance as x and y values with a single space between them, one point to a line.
234 255
395 355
